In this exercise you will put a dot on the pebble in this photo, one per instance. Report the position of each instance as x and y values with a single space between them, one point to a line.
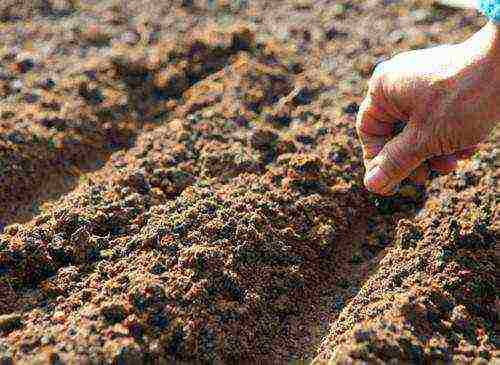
16 85
47 84
130 38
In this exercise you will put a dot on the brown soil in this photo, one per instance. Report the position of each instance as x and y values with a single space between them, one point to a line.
182 181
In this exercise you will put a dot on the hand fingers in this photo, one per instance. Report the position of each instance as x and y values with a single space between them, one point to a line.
448 163
388 159
374 129
420 174
443 164
397 160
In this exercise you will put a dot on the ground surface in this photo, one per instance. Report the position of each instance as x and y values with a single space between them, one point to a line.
181 180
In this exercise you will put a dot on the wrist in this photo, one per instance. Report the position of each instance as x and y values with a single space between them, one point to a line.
493 41
495 32
484 46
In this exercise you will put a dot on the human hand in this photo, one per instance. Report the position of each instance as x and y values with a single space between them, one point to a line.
449 97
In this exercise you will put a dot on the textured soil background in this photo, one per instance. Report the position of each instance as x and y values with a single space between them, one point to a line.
181 180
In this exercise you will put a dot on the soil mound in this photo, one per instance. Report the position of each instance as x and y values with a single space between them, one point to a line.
182 181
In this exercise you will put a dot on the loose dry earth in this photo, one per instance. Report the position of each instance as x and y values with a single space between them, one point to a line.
181 180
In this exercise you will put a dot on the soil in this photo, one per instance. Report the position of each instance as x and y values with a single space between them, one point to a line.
181 181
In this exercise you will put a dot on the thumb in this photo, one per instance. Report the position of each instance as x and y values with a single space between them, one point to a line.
397 160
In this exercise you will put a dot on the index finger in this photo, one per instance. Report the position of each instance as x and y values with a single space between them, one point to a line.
374 128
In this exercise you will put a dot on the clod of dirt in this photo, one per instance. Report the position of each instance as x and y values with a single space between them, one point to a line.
407 234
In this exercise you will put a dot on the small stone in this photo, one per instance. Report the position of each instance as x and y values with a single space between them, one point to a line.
46 84
16 85
131 38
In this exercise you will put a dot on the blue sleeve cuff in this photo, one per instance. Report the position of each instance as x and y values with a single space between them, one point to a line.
490 8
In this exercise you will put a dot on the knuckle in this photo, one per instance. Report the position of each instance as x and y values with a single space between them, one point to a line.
376 84
406 153
419 142
395 159
442 145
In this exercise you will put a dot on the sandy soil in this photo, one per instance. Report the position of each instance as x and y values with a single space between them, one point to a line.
181 181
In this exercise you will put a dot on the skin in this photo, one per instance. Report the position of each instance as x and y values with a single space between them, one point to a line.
449 98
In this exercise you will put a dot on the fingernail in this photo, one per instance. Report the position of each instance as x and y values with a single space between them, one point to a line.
376 179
